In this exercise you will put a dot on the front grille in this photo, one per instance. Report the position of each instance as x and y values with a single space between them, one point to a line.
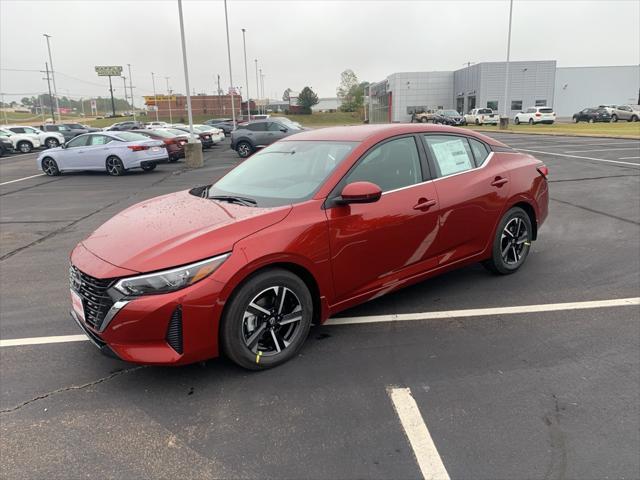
174 331
93 291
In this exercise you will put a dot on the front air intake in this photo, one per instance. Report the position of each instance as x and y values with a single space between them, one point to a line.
174 331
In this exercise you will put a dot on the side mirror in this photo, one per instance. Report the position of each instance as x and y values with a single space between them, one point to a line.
359 192
283 129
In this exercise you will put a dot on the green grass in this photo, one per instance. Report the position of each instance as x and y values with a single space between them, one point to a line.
618 129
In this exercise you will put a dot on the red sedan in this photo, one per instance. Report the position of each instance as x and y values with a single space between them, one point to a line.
316 223
174 141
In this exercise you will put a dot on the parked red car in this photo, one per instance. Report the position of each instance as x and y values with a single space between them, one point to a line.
173 141
316 223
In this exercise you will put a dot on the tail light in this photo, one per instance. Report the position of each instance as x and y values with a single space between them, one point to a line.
137 148
543 170
538 114
169 141
207 137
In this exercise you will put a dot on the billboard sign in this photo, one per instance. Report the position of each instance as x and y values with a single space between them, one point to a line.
109 71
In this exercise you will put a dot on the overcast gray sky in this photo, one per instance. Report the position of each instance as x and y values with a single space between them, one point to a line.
298 43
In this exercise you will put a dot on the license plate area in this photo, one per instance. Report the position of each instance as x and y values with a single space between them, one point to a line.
76 304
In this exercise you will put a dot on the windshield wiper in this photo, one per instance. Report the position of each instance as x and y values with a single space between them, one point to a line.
247 202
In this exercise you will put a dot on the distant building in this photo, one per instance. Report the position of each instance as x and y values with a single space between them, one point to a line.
327 104
214 105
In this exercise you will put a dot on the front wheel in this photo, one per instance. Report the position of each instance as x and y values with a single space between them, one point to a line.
267 320
531 121
614 118
511 243
634 118
591 120
50 167
576 120
115 166
517 121
52 143
424 119
244 149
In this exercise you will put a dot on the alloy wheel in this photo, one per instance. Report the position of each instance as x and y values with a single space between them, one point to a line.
52 143
271 321
514 241
244 150
24 147
114 166
49 167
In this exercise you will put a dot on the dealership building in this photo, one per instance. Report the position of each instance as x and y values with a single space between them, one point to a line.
531 83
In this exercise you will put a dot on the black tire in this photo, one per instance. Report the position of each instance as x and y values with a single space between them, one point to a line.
634 118
51 142
477 122
114 166
531 121
614 118
257 341
517 121
244 149
424 120
50 167
149 168
511 244
24 146
576 120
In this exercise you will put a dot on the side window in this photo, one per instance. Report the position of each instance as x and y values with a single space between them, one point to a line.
451 154
30 130
17 129
531 110
274 127
480 151
80 141
100 139
257 127
394 164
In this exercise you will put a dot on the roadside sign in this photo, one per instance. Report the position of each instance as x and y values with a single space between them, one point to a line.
109 71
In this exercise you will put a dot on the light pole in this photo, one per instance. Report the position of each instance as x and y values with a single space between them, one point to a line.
506 76
169 94
257 85
124 84
186 76
233 108
155 97
131 89
246 75
262 75
53 77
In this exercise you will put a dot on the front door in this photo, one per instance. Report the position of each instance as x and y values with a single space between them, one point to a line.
374 245
73 156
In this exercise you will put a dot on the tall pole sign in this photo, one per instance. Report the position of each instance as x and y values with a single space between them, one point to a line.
110 71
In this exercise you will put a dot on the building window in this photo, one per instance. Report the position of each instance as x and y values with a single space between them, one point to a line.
541 103
492 104
516 105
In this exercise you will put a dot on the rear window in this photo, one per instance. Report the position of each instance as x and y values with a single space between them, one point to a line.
485 110
130 137
546 110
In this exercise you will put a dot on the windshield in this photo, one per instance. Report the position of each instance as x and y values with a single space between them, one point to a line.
546 110
284 173
72 125
451 113
130 137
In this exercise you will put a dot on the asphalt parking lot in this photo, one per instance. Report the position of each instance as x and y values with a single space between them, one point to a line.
540 394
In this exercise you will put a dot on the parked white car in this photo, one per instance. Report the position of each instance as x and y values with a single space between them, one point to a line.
21 142
535 115
46 139
481 116
630 113
115 152
152 125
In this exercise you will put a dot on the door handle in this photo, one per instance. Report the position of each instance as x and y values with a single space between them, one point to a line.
424 204
499 181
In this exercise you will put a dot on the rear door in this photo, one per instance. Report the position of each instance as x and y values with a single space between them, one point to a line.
376 245
97 151
472 189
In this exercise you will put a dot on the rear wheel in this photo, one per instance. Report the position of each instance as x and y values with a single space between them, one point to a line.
477 122
424 119
531 121
576 119
511 243
634 118
52 143
267 320
614 118
50 167
149 167
517 121
244 149
114 166
25 147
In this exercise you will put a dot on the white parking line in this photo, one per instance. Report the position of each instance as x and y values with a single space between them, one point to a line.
603 149
21 179
399 317
579 157
628 158
418 434
561 145
481 312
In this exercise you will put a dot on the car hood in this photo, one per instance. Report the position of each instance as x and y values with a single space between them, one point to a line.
176 229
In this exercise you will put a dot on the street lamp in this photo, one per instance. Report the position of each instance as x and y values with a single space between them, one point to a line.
257 85
233 109
124 84
53 76
155 97
186 79
169 94
246 75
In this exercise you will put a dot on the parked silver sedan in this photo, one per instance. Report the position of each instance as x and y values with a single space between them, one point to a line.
630 113
113 152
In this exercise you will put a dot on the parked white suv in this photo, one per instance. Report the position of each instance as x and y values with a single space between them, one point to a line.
630 113
536 115
21 142
47 139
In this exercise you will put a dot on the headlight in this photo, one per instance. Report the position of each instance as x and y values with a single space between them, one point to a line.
170 280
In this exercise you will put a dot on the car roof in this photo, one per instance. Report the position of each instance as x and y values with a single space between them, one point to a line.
359 133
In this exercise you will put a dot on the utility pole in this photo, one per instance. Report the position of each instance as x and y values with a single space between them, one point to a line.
46 66
186 75
53 77
233 108
262 75
258 86
219 98
124 82
82 104
169 93
131 89
246 75
113 103
506 76
155 97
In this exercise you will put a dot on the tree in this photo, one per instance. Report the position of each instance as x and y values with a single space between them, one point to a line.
346 92
307 99
26 101
287 95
